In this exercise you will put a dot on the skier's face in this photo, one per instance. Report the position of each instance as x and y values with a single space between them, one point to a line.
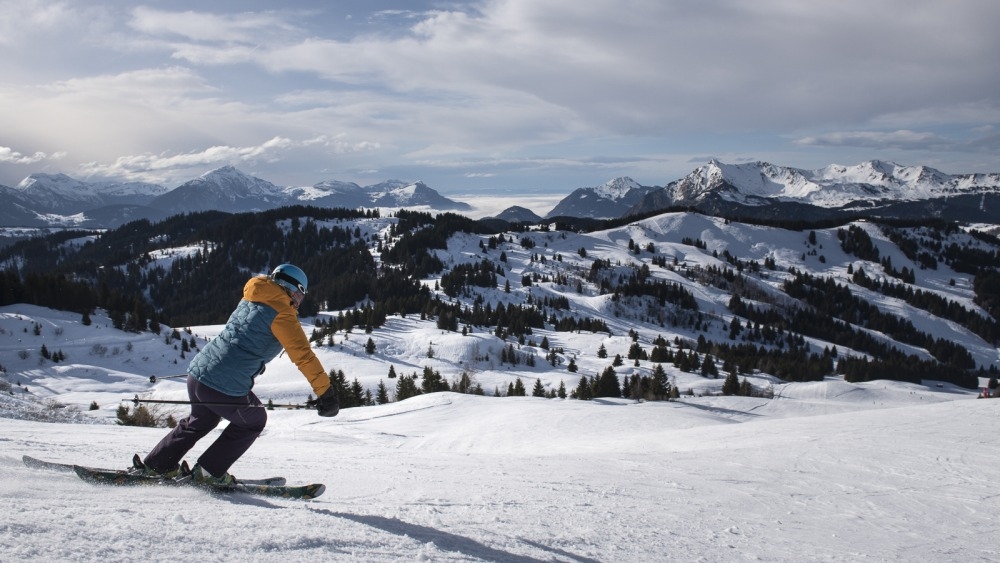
297 297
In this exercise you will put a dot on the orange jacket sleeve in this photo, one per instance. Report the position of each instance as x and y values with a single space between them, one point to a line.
288 330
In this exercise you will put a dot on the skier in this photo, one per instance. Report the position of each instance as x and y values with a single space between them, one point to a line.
265 321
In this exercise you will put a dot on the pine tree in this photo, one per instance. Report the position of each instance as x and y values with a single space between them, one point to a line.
465 383
660 387
381 393
357 393
708 367
732 384
635 351
141 416
345 395
571 366
512 355
432 381
582 391
519 390
608 384
406 387
538 390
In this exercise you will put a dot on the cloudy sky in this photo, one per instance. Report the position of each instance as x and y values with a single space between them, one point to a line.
495 96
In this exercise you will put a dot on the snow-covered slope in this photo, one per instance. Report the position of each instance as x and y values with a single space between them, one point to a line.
825 470
327 188
831 472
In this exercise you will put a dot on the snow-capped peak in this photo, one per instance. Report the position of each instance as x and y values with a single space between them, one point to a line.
56 184
237 182
225 173
616 188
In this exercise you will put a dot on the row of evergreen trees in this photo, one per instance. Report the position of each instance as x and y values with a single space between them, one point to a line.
833 300
986 328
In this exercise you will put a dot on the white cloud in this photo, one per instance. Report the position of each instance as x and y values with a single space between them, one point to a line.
467 84
166 167
147 166
9 155
340 144
19 18
642 67
902 139
144 85
245 27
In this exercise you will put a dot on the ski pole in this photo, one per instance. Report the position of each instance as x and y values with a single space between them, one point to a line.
135 401
153 378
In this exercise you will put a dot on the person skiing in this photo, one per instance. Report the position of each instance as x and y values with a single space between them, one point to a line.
222 374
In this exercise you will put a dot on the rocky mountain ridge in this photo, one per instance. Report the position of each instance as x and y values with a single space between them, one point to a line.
872 188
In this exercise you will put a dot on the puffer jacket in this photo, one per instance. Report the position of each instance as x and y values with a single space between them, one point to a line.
263 323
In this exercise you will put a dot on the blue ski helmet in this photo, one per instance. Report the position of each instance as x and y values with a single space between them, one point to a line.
291 277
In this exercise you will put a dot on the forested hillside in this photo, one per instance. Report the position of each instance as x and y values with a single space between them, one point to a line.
868 301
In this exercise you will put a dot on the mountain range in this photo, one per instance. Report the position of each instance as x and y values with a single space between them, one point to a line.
756 190
59 200
874 188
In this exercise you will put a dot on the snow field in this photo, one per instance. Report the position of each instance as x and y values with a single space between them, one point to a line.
450 477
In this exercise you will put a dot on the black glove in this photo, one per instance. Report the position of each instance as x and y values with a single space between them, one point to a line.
327 403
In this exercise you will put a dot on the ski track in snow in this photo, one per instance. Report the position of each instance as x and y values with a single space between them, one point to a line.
448 477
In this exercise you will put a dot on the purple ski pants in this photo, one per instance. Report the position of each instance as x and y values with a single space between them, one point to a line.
246 421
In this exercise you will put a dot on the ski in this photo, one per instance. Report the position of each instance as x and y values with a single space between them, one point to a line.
36 463
124 478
